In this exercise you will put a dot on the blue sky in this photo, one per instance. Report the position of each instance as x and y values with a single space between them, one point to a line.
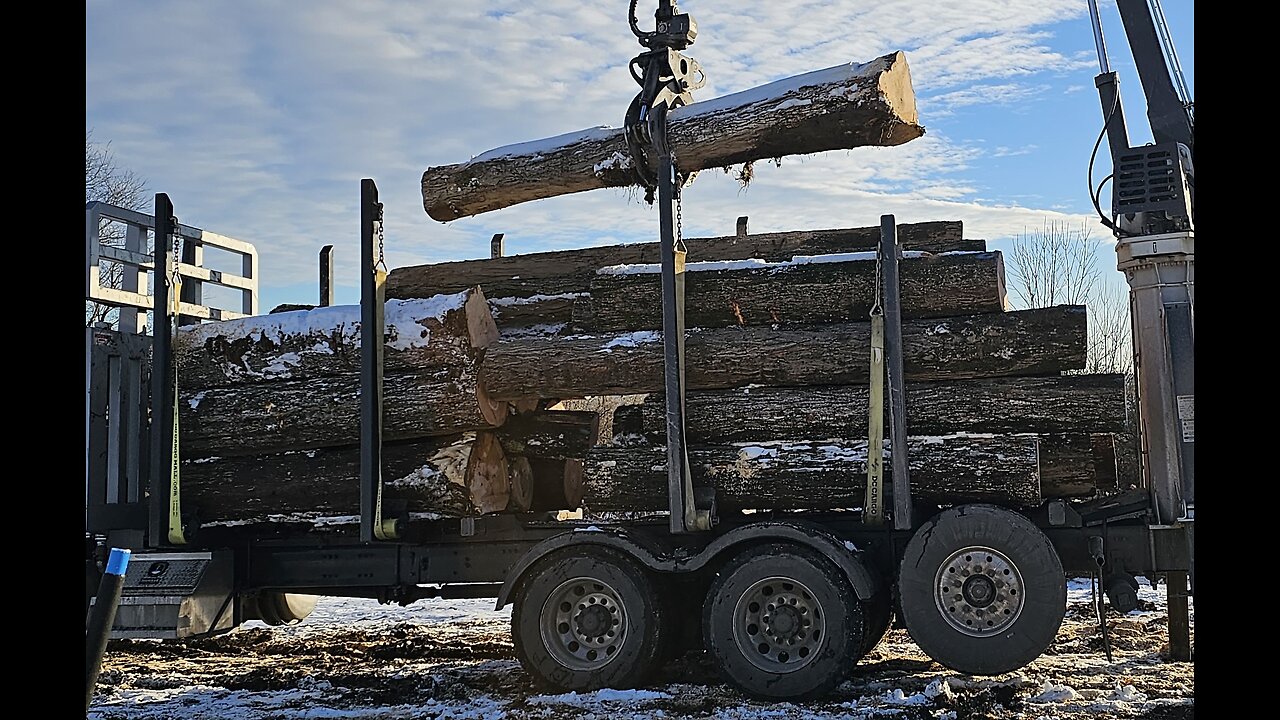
259 118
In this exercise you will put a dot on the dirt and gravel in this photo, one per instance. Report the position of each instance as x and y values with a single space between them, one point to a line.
454 659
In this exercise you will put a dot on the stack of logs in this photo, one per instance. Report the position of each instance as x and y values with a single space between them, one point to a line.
479 353
269 418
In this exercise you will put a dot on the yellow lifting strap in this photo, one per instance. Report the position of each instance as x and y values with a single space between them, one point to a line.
383 529
175 533
873 508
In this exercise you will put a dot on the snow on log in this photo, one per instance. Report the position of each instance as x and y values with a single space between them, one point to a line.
824 475
1043 341
805 289
559 274
1060 404
432 332
846 106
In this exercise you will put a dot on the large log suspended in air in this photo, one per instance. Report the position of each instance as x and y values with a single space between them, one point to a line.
433 332
561 272
1042 341
818 475
550 433
846 106
455 476
1060 404
325 412
805 290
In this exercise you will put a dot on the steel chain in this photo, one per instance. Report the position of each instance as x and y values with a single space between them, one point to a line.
381 261
175 275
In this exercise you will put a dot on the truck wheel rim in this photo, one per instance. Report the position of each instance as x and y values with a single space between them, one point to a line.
979 591
583 623
779 625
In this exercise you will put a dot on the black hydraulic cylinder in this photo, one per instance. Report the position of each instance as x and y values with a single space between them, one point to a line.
1166 113
101 617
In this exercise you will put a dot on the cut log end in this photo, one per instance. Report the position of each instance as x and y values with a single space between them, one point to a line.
489 474
895 84
481 327
493 411
557 484
521 477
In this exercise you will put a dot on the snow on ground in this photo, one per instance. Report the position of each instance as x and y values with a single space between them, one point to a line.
452 659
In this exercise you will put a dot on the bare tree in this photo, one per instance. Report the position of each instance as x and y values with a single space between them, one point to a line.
105 181
1063 265
1110 332
1056 265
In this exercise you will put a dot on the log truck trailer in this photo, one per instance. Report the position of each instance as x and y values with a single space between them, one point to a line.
785 605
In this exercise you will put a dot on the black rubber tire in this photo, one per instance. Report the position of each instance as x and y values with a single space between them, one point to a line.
878 615
840 649
639 654
278 608
1026 547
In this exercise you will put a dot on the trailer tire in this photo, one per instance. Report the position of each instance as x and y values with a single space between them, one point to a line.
612 638
798 648
878 615
982 589
278 608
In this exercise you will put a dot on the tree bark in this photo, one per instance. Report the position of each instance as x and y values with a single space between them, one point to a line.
1026 342
557 484
452 476
1077 465
846 106
818 475
560 272
325 411
434 332
550 433
814 290
1061 404
542 314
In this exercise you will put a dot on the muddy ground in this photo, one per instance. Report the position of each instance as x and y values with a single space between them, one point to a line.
454 659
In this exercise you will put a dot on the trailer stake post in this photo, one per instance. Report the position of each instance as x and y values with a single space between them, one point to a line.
891 255
373 278
326 276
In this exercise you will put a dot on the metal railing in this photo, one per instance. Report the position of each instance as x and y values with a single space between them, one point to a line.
118 360
132 297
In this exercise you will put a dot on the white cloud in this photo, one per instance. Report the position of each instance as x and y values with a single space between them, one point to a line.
260 118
